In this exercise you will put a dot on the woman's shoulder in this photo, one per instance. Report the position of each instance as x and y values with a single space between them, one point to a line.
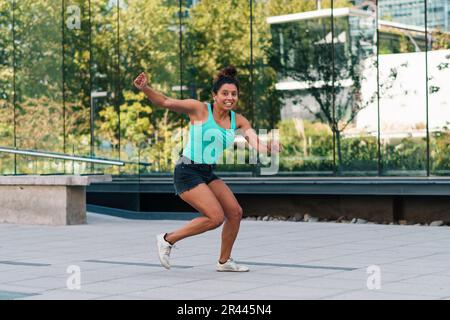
202 111
200 104
241 120
240 116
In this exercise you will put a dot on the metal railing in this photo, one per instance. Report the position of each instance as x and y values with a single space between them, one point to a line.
63 156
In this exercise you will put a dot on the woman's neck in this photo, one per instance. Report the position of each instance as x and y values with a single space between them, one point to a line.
220 113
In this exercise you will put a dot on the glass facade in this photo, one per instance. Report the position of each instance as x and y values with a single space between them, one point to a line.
7 89
412 12
351 90
77 83
38 107
437 95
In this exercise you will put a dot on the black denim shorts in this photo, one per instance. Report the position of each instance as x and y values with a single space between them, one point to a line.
188 175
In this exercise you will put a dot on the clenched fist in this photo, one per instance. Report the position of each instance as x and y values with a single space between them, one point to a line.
141 81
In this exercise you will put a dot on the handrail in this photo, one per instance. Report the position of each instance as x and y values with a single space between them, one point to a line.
63 156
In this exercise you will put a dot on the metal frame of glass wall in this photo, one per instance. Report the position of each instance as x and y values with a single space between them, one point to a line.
89 107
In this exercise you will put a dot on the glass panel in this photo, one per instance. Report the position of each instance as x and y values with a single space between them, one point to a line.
6 86
356 92
301 50
152 46
104 71
402 101
268 99
39 104
216 35
77 83
438 86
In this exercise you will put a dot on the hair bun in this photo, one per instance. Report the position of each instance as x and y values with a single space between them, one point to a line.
226 75
229 72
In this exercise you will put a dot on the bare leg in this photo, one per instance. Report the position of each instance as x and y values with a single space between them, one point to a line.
233 214
204 201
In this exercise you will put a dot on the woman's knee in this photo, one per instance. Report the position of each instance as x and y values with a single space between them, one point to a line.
235 213
216 220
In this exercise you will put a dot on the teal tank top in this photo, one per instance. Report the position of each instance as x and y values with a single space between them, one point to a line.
208 140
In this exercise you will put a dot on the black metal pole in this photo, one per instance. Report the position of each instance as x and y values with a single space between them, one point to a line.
426 89
14 82
117 95
63 79
91 120
257 168
379 163
335 126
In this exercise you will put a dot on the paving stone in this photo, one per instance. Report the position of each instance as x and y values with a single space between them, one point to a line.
321 260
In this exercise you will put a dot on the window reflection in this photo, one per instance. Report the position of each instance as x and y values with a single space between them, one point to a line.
38 74
6 86
345 101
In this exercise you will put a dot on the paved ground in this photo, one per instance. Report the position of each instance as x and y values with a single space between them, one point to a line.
288 260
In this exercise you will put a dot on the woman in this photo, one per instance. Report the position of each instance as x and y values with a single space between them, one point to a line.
194 179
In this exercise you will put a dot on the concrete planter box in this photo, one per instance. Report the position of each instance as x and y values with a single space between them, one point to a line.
46 200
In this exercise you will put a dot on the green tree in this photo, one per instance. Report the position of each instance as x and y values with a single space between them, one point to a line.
6 76
77 77
38 49
440 40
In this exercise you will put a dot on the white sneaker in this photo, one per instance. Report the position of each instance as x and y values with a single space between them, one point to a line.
163 250
231 266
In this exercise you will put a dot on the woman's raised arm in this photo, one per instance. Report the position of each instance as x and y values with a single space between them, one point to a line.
187 106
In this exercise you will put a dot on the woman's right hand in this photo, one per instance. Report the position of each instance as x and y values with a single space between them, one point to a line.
141 81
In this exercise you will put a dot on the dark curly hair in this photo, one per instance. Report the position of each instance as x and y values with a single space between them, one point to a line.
227 75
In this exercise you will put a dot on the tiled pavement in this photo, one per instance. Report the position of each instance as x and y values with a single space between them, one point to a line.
288 260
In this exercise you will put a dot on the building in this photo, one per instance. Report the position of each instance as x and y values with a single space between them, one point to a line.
401 48
412 12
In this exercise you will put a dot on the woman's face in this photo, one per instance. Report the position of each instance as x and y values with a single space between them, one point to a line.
227 96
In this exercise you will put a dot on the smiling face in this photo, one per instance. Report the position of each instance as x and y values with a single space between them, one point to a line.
227 96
